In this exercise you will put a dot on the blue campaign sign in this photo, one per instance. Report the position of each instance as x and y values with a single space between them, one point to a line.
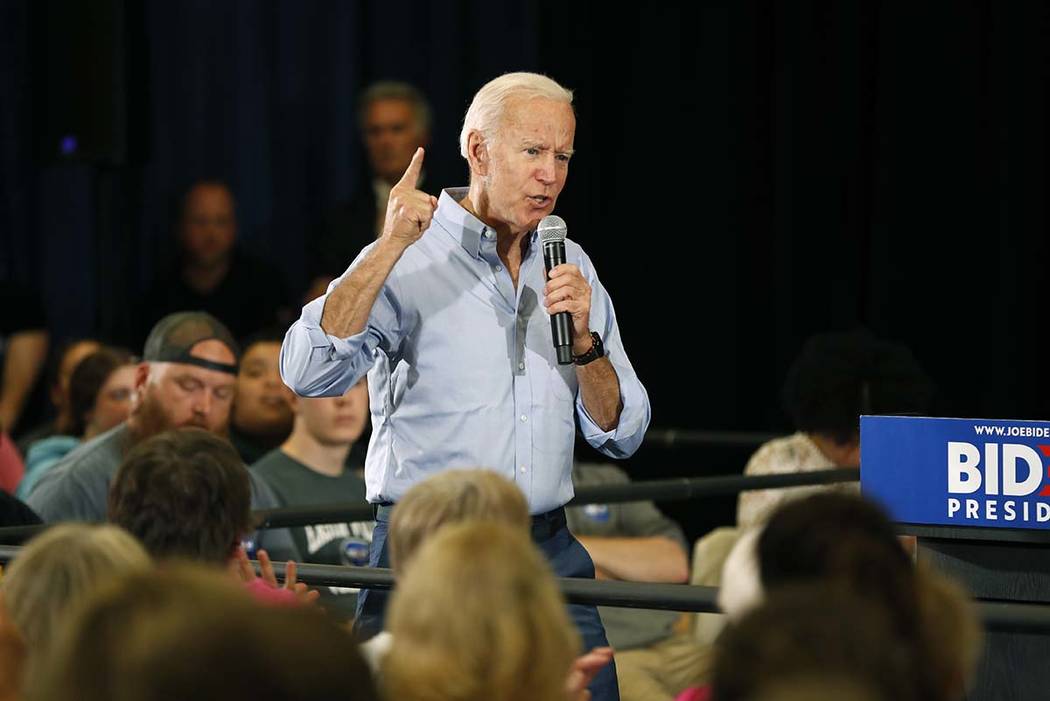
958 472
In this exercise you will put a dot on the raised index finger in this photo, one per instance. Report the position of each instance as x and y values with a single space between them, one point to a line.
411 177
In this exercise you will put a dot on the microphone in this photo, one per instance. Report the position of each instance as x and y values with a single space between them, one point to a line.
552 237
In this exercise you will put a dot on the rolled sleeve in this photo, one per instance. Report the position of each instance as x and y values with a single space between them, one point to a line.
318 364
623 440
626 437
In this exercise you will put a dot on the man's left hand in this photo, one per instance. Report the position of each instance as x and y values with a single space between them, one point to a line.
567 291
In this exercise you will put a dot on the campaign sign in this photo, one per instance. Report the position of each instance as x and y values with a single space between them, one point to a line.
958 472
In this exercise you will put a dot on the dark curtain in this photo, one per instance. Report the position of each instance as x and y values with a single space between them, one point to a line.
748 173
756 172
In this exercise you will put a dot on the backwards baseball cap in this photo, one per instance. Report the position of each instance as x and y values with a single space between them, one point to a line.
174 336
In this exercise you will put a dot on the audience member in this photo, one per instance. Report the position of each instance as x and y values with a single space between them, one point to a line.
60 373
836 378
461 496
656 658
843 541
55 572
824 538
99 399
212 272
185 494
310 468
186 378
453 496
12 660
813 635
23 344
477 616
395 121
12 468
186 633
951 631
261 418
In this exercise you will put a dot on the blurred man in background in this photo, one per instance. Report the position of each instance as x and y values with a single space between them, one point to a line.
213 273
395 121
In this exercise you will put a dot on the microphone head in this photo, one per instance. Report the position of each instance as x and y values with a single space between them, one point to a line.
552 228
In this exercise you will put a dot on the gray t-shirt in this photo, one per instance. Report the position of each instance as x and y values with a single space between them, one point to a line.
626 628
76 489
295 484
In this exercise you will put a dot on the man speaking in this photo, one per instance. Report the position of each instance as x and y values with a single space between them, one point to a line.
448 313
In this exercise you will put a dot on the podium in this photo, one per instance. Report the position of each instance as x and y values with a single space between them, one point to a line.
976 494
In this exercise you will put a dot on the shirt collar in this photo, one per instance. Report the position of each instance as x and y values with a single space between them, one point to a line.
461 224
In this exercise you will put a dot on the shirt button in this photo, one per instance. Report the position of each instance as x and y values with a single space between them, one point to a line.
524 469
499 268
521 366
524 419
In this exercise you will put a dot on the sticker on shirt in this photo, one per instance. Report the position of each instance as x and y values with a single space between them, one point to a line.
354 551
599 513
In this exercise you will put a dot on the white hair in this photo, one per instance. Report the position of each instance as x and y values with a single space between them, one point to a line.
486 110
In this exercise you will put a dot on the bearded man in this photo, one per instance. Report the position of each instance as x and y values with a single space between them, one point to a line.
187 377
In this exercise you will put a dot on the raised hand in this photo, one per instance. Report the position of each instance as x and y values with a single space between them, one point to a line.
409 210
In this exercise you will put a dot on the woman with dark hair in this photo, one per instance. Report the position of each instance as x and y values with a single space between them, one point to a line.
847 543
99 397
836 378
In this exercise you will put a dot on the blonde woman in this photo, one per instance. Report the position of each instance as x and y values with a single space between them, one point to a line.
187 632
477 617
56 571
453 496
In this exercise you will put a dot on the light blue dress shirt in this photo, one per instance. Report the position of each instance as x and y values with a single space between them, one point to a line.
461 366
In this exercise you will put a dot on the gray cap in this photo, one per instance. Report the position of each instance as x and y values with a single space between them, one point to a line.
175 335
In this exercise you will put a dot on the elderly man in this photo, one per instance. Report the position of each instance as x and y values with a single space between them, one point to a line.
449 310
187 378
395 121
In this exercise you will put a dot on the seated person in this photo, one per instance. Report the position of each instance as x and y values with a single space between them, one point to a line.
261 417
395 121
60 373
656 658
477 616
828 640
99 399
185 633
836 378
56 572
310 468
448 497
847 542
455 497
23 351
186 378
212 272
185 494
12 468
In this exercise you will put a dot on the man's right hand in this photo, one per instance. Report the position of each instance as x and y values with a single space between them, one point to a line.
409 211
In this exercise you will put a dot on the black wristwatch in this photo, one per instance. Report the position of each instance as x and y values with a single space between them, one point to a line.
597 351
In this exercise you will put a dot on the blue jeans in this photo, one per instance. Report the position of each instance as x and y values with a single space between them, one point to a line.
568 559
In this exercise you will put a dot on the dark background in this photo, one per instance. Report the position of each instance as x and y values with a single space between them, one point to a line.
747 173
